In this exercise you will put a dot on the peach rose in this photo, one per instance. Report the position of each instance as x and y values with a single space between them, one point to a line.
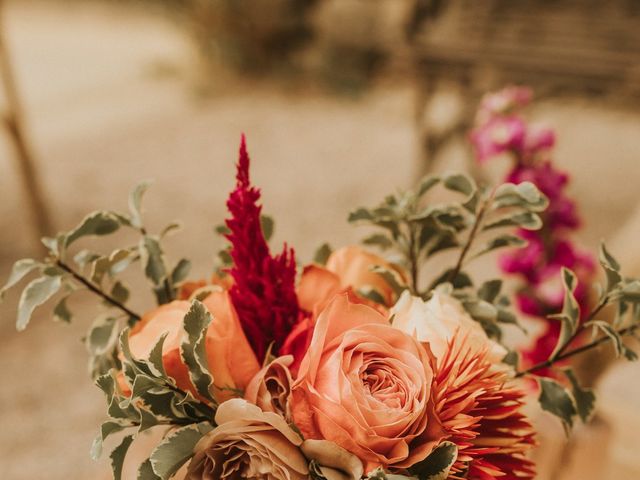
347 267
248 443
231 360
366 386
438 320
270 389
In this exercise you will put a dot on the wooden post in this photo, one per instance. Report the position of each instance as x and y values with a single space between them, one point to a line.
14 122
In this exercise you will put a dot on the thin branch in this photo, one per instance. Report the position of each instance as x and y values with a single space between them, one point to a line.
97 290
413 258
576 351
474 231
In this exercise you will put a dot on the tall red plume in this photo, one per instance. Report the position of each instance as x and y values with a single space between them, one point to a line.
263 291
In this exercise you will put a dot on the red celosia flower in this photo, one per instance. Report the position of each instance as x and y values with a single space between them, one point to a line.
263 291
481 413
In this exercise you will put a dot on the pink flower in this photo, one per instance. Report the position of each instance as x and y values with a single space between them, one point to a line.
497 136
503 101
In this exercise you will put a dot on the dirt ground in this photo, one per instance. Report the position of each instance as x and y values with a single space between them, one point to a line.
110 101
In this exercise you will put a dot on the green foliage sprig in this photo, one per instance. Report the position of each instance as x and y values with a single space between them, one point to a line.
416 230
156 401
61 275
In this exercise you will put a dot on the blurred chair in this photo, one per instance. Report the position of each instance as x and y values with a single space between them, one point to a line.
562 48
13 121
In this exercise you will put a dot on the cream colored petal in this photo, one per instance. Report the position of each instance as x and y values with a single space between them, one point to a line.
336 462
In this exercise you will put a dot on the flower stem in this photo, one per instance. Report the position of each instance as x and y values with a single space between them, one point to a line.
97 290
472 235
576 351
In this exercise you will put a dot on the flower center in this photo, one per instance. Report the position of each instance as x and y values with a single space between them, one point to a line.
380 382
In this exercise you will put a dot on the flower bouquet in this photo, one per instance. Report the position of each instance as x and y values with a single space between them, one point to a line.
352 366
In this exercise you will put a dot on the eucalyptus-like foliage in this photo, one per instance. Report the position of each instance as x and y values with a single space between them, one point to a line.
476 222
65 271
155 400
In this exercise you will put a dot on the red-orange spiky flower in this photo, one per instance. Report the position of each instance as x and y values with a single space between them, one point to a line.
482 412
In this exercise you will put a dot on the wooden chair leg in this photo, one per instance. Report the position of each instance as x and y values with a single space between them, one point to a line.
13 120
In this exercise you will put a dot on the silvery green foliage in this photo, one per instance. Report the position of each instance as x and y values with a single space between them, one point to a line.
567 399
62 273
413 230
156 401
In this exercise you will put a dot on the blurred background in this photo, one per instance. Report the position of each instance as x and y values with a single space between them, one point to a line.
342 101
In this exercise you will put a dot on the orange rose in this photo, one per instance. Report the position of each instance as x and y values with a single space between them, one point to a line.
270 389
189 288
366 386
347 268
231 360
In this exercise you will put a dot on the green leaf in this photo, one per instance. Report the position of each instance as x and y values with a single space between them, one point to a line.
102 335
135 202
96 223
119 292
20 270
322 254
461 280
61 312
176 449
170 229
118 455
267 224
180 271
438 464
107 383
84 257
459 182
36 293
193 349
611 268
225 257
379 240
481 310
616 340
506 240
106 429
151 253
155 357
359 215
512 358
120 259
584 397
427 184
555 399
53 244
222 229
570 315
145 472
489 290
391 278
371 294
526 220
524 195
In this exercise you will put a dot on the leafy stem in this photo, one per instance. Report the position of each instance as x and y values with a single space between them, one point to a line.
97 290
601 304
413 257
471 238
571 353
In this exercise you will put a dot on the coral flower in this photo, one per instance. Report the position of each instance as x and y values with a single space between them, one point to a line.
481 411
